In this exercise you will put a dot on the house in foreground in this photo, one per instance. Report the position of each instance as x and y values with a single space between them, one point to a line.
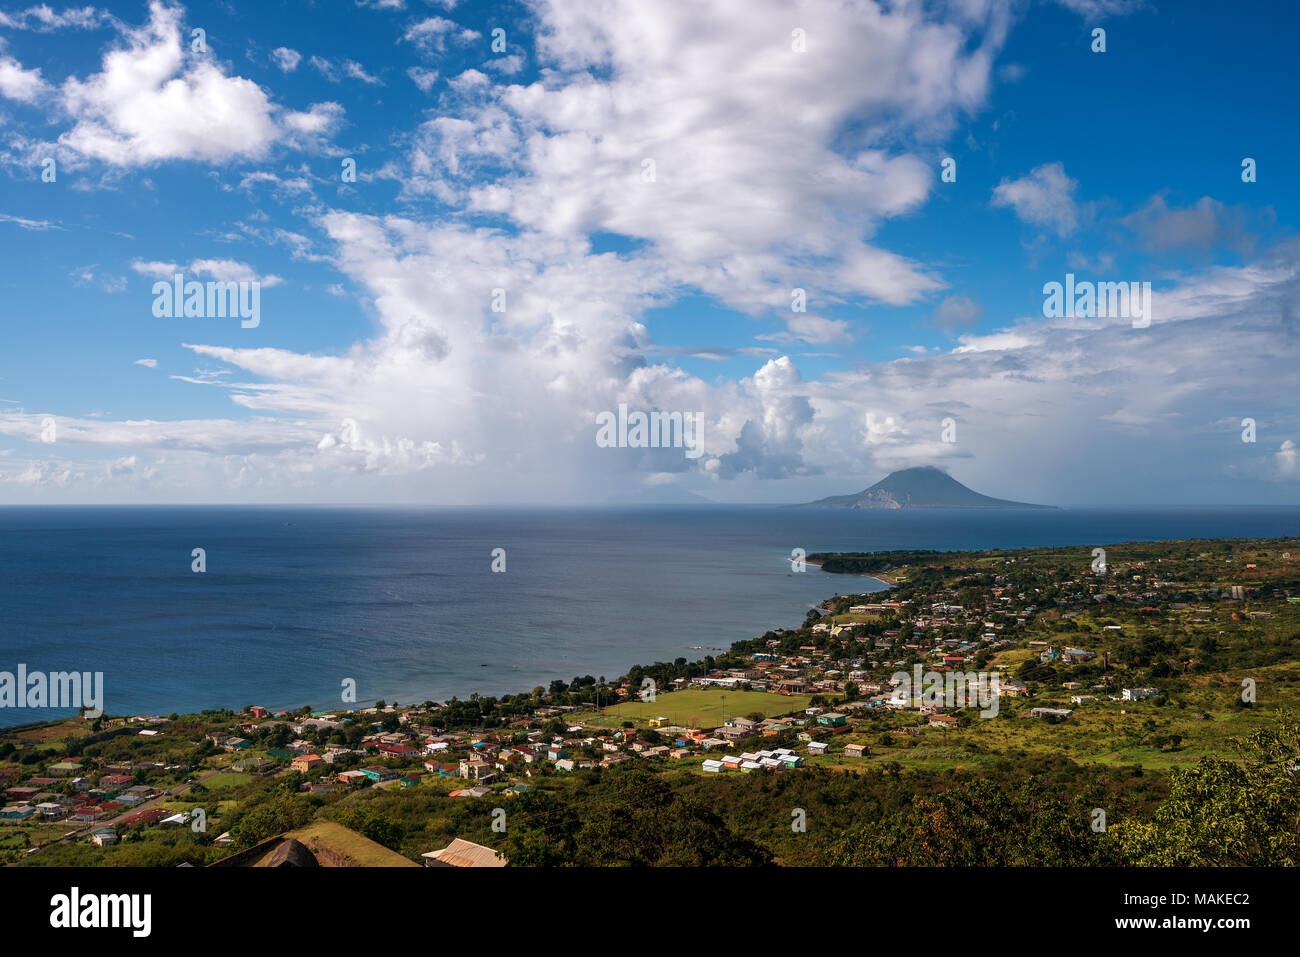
461 853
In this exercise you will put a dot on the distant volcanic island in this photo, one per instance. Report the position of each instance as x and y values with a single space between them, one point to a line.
923 487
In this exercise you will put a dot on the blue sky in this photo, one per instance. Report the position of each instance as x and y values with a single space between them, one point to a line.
379 372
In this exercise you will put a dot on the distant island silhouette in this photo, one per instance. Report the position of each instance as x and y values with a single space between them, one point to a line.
921 487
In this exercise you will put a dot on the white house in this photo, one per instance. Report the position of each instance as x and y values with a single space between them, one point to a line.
1061 713
1139 694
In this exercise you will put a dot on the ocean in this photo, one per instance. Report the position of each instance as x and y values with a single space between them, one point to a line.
404 602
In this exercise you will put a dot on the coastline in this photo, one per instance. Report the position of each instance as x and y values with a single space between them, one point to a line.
441 683
883 579
467 692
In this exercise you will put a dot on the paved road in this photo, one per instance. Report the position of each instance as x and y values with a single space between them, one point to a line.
152 802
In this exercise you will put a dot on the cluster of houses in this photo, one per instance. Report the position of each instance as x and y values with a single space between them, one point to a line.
513 754
484 758
943 634
754 761
104 791
79 794
944 631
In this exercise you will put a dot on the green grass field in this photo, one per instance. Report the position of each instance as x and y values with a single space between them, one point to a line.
1095 733
703 708
858 618
227 779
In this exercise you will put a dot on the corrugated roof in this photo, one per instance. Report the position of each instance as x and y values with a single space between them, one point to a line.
460 853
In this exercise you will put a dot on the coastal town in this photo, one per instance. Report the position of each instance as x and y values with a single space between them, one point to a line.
1142 662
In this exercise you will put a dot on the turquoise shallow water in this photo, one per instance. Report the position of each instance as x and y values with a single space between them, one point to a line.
404 602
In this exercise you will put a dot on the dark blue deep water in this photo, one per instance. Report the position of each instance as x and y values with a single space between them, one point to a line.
295 600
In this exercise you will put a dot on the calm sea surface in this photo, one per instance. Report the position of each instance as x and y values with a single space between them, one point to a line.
295 600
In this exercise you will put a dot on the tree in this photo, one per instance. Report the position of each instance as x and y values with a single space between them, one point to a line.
1227 813
374 824
630 818
280 814
279 737
976 823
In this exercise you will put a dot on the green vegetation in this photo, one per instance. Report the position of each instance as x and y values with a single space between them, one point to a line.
1201 767
703 707
229 779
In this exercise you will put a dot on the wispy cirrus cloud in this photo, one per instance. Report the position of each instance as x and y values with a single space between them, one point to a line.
42 18
220 270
